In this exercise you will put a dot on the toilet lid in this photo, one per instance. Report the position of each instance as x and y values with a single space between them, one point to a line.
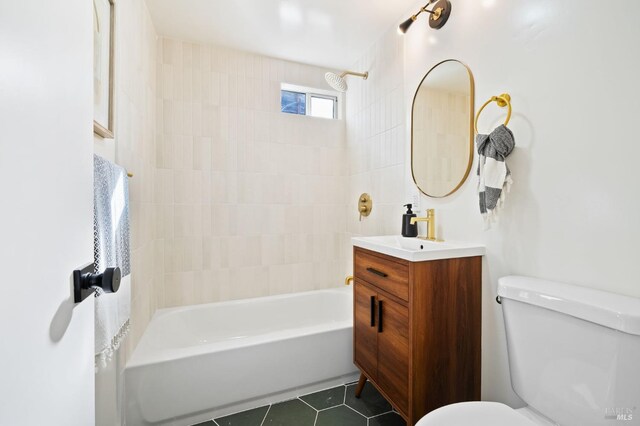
476 414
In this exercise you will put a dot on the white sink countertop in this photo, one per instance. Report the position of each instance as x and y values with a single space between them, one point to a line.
418 250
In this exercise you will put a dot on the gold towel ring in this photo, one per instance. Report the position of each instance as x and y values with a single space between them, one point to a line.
502 101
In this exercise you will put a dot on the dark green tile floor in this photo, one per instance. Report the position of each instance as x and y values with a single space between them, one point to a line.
331 407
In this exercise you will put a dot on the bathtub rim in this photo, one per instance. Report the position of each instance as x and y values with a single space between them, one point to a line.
165 311
143 356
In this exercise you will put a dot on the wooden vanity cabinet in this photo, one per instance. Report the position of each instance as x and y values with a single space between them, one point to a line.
417 330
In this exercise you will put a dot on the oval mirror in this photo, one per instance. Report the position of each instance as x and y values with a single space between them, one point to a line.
442 129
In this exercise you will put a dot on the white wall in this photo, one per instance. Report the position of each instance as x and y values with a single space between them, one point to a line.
46 214
251 198
571 214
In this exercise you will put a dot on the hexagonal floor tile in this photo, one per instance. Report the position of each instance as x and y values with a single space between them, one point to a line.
388 419
252 417
340 415
326 398
370 403
290 413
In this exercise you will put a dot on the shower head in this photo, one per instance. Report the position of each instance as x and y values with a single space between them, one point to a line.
338 82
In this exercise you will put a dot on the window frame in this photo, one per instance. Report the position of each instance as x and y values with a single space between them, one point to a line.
309 110
310 92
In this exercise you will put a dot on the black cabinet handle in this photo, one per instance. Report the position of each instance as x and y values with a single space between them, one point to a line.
378 273
373 311
379 316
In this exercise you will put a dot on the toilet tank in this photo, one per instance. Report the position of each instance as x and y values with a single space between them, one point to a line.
574 352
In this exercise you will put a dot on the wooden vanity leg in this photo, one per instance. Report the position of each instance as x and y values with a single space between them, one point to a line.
361 381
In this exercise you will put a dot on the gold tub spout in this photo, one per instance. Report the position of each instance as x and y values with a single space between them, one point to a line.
348 280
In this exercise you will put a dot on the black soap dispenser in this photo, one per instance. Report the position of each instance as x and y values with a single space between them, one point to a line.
409 230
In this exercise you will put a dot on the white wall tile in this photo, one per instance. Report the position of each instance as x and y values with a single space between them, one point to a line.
251 201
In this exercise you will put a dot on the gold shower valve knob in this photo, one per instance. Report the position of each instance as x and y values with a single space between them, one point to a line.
364 205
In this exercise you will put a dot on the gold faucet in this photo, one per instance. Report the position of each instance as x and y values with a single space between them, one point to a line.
431 224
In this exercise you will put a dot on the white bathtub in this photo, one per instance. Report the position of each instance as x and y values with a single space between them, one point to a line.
198 362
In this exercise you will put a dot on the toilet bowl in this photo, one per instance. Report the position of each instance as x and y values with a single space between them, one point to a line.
573 355
480 413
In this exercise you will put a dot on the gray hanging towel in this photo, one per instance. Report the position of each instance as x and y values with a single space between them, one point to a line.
494 176
110 249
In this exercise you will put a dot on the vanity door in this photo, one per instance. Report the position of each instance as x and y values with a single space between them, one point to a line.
365 329
393 350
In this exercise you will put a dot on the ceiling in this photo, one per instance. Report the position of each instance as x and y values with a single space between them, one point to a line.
330 33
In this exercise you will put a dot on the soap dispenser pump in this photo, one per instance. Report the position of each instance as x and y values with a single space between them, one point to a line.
409 230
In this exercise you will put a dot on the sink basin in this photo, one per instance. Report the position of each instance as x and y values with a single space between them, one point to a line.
417 250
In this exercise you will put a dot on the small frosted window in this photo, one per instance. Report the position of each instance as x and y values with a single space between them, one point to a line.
308 101
323 106
293 102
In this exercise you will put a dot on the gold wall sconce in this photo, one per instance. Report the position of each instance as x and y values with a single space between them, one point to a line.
439 11
365 204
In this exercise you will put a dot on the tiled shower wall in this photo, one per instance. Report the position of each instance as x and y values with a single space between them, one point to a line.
252 200
133 148
376 140
135 123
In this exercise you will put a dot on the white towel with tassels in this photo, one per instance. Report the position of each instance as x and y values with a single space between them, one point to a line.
111 249
494 176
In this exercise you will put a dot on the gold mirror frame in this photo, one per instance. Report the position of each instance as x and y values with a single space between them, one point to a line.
471 117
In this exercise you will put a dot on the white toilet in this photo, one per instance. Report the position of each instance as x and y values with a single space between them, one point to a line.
574 358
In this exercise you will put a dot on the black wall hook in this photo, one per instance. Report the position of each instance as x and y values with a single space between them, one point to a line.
85 281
